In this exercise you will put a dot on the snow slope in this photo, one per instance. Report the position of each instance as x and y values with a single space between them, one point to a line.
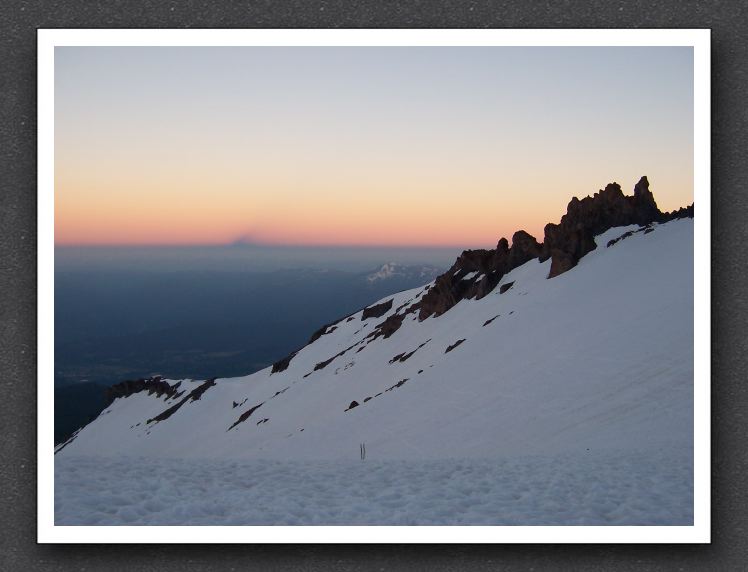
578 381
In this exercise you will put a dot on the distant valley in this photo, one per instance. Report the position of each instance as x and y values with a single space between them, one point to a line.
115 325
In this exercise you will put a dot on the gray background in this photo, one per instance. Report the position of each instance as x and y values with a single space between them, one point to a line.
19 21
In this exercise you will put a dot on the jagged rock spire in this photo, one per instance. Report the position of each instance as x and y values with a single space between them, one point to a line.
564 243
567 242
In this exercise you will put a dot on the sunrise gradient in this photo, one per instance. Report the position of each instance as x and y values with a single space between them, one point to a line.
358 146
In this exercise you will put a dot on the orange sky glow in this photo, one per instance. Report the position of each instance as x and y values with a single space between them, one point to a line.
358 147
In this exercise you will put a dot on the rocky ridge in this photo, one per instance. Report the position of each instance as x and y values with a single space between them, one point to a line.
476 273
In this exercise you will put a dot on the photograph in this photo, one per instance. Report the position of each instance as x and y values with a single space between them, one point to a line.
407 286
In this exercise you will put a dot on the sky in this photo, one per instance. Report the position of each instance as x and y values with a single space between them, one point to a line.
373 146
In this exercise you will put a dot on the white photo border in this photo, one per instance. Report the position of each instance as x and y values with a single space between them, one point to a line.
698 39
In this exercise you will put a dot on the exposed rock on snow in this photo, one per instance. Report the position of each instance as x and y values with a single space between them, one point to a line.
398 384
388 327
489 321
377 311
282 364
194 395
325 363
458 283
151 385
453 346
246 415
565 243
505 287
401 357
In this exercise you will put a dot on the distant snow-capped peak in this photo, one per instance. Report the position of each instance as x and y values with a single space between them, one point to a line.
393 270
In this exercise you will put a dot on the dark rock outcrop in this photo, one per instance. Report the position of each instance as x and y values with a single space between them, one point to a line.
398 384
645 229
683 212
505 287
244 416
568 241
489 265
324 330
324 364
377 311
282 365
524 248
406 355
152 385
453 346
68 441
388 327
193 395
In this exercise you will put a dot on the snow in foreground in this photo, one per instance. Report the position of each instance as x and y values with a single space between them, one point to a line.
653 488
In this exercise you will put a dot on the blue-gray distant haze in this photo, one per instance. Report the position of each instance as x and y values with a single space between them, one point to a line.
244 256
200 312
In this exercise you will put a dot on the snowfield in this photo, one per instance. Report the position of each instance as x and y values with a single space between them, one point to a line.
580 489
568 401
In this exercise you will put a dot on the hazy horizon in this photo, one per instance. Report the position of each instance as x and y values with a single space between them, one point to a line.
253 258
